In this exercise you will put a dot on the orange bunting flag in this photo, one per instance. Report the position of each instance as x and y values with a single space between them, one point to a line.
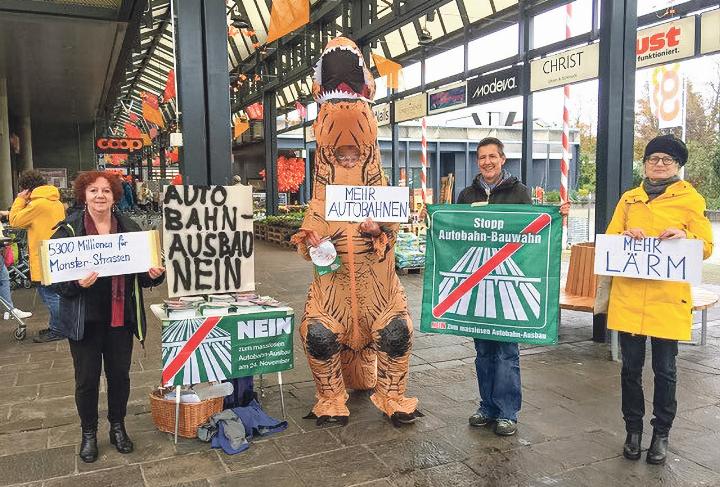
388 68
131 131
147 142
169 92
286 16
239 127
151 109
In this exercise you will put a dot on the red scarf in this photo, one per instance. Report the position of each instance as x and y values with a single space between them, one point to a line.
118 282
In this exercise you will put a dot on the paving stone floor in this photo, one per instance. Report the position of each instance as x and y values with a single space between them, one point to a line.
570 431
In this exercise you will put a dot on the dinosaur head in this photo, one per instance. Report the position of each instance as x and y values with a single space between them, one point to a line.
341 74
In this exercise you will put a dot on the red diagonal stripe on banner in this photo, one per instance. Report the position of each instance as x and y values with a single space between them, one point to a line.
190 346
505 251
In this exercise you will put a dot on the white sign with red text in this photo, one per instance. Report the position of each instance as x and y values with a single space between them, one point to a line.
665 42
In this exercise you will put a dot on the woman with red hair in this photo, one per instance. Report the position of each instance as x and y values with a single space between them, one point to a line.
100 315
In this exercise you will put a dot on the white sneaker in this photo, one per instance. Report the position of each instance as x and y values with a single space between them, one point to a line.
21 314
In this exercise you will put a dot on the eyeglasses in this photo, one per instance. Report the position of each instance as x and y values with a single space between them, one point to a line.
666 161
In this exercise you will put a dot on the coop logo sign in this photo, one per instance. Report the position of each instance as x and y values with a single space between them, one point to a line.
565 68
495 86
117 145
665 42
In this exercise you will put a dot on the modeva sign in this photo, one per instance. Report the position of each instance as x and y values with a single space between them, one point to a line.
494 86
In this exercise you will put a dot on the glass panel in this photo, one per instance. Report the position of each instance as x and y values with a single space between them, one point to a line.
312 110
411 76
380 88
410 36
503 4
434 27
451 17
256 22
384 7
493 47
444 64
395 44
477 9
549 26
648 6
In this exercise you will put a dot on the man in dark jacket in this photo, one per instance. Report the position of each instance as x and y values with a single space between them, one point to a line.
497 363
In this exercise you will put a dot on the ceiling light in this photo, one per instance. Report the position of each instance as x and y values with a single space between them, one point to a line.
425 37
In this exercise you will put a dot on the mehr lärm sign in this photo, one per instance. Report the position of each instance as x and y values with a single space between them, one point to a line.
493 272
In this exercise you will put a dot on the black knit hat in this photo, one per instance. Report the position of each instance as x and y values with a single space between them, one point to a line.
670 145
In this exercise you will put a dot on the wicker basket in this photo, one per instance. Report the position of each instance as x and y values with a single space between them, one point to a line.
192 415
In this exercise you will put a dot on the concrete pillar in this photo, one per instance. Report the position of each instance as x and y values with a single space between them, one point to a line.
26 158
6 188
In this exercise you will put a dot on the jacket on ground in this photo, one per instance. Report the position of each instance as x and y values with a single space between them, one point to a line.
72 302
38 216
660 309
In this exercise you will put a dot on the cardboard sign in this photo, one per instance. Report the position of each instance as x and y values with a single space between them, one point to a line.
649 258
71 259
217 348
208 239
493 272
357 203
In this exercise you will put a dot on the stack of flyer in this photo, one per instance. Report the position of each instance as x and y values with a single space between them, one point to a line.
181 308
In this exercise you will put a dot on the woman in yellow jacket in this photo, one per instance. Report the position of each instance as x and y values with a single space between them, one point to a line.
38 209
665 207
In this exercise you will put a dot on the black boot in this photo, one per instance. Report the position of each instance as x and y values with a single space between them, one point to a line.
658 449
120 438
631 448
88 444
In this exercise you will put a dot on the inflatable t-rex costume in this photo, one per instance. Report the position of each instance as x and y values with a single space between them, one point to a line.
356 329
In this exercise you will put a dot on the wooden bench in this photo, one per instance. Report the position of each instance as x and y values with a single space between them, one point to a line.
578 294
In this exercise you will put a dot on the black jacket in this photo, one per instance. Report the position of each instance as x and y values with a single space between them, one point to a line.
509 191
72 296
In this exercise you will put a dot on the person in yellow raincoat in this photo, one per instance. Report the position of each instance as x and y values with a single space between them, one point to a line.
665 207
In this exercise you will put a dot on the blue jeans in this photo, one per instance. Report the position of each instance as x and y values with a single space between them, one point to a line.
52 301
498 371
5 284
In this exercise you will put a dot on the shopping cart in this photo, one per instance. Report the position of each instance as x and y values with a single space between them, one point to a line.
20 269
5 309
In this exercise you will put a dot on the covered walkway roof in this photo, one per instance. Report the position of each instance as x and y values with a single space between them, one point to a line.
60 56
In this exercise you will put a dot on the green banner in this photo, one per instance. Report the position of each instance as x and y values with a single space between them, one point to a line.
215 348
493 272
